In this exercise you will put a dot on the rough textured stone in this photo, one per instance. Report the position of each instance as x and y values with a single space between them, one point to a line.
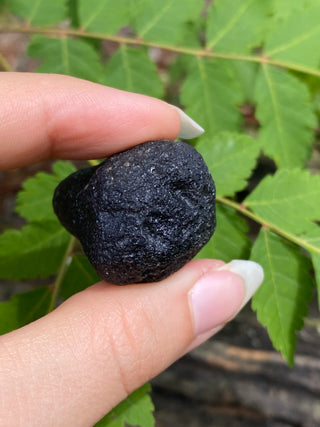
141 214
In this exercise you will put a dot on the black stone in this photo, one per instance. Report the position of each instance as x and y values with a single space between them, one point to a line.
142 213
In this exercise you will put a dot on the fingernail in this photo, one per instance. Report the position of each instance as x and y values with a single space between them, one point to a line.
189 128
218 296
251 273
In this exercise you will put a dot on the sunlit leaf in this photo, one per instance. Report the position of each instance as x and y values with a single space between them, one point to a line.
282 300
34 201
230 158
236 26
132 70
286 116
211 95
64 55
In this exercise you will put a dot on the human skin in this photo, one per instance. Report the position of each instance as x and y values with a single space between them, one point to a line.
74 365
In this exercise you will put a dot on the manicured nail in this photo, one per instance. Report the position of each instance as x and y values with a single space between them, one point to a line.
189 128
218 296
250 271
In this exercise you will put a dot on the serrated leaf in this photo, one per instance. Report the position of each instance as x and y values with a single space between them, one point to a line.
229 240
34 201
211 95
285 113
35 251
282 300
289 200
79 276
296 39
230 158
24 308
236 26
164 21
136 410
246 74
103 16
64 55
132 70
39 12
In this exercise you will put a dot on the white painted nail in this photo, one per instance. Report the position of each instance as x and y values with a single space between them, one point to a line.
189 128
251 273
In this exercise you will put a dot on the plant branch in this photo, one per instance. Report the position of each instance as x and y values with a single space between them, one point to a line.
249 214
201 52
61 273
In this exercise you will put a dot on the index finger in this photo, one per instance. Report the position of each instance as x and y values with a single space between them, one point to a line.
53 116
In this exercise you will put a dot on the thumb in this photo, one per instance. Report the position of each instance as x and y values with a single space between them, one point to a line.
74 365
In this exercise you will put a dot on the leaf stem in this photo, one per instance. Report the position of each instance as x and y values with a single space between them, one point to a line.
201 52
61 273
249 214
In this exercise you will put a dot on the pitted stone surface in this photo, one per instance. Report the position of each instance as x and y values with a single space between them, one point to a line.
143 213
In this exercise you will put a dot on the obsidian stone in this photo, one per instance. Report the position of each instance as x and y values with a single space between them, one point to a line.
142 213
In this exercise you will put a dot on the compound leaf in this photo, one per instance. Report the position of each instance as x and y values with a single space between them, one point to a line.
295 39
230 158
230 240
285 113
289 200
24 308
164 21
211 95
103 16
236 26
35 251
39 12
135 410
282 300
34 201
132 70
79 276
64 55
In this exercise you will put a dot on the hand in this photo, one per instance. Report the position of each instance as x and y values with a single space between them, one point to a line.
74 365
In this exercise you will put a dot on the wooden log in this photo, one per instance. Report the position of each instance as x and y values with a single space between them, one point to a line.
220 375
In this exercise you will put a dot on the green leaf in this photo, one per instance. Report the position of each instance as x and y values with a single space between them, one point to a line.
103 16
289 200
35 251
164 21
284 8
282 300
132 70
24 308
245 73
39 12
79 276
285 113
296 39
136 410
34 201
230 158
211 95
230 240
236 26
316 266
64 55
